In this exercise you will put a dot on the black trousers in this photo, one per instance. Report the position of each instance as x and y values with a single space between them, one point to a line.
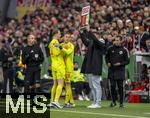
8 76
32 77
114 92
81 86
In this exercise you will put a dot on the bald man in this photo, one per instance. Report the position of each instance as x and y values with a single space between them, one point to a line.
32 56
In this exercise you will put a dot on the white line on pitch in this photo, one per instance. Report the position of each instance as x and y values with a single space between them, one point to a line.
146 113
102 114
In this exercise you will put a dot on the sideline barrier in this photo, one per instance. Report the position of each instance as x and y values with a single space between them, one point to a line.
130 67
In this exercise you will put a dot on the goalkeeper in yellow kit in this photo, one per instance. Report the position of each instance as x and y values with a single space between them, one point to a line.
58 69
68 52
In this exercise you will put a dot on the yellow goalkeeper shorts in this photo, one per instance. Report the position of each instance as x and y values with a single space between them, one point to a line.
58 74
68 76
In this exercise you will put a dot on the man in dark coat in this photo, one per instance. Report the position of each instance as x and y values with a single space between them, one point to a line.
6 58
117 57
92 64
1 71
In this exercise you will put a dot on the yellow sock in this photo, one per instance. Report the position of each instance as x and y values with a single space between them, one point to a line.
53 92
68 97
71 97
58 92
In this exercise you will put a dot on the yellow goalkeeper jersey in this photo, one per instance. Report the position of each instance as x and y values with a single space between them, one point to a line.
78 77
68 50
56 56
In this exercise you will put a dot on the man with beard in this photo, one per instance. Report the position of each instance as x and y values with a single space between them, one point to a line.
117 57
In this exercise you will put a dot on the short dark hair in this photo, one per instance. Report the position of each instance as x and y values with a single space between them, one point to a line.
120 37
75 62
144 65
55 31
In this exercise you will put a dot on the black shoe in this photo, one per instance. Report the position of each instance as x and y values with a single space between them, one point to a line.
113 104
122 105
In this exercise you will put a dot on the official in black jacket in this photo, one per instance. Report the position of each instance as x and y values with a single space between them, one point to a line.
117 57
32 56
92 64
6 59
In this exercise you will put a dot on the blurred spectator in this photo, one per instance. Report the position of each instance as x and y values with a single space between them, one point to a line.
144 72
82 88
19 79
139 87
108 16
1 71
144 41
7 66
148 45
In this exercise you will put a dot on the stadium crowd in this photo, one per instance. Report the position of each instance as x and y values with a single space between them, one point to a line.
127 18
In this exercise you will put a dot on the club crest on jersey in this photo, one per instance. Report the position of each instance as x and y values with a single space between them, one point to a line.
120 52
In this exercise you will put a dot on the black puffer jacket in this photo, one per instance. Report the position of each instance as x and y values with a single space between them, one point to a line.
93 60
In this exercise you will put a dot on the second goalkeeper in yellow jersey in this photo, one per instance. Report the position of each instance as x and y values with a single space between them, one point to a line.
68 51
58 69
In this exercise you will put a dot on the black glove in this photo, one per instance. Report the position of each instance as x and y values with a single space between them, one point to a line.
27 56
61 40
60 47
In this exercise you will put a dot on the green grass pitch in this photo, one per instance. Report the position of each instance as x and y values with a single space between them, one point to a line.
131 110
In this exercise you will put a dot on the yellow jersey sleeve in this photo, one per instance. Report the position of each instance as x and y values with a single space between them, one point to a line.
54 48
68 50
56 56
78 77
